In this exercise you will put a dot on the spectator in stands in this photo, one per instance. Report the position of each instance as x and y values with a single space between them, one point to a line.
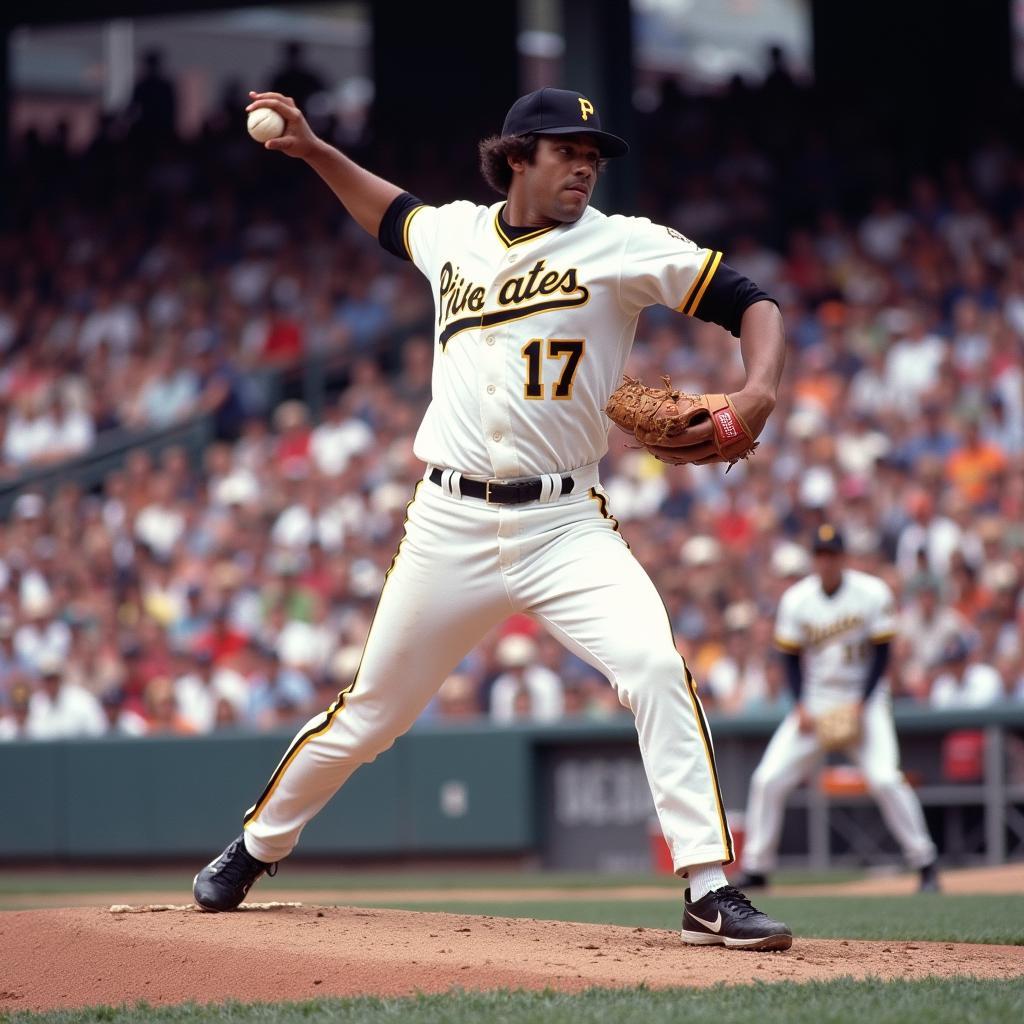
337 438
740 679
278 693
962 683
160 523
163 714
928 540
913 362
457 700
976 467
59 709
524 689
122 719
14 711
154 107
930 437
136 314
295 78
928 629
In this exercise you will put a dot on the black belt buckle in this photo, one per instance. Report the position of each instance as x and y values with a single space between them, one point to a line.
487 491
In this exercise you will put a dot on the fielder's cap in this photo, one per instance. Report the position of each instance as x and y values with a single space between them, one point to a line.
560 112
828 540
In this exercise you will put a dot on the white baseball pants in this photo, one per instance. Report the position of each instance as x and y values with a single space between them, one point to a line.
788 760
462 568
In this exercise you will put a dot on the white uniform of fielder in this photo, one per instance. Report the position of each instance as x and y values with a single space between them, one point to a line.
834 635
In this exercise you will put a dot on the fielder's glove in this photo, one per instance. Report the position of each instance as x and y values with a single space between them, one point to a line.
655 416
839 728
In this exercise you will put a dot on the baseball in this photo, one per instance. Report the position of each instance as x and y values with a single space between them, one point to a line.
264 124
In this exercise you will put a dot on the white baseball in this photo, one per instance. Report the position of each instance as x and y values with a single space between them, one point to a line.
264 124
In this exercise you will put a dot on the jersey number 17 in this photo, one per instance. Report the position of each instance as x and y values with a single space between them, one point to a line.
568 349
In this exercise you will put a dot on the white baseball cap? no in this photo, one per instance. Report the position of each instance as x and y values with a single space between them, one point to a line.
515 651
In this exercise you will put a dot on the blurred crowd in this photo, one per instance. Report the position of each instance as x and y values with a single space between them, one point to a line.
149 280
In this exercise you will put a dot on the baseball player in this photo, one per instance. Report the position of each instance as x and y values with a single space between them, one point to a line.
834 629
537 299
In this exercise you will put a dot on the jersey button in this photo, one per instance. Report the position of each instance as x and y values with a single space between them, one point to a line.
496 435
490 339
512 257
491 389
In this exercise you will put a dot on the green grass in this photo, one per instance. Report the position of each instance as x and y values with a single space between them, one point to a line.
75 880
982 918
939 1001
939 918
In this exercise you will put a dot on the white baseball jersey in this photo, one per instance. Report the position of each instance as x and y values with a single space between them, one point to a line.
533 333
834 633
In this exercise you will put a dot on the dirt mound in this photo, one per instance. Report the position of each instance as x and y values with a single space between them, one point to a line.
86 956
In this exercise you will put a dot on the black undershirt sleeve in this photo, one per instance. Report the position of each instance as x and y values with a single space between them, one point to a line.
794 674
727 297
391 233
879 663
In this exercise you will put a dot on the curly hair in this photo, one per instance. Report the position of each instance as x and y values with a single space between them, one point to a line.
495 152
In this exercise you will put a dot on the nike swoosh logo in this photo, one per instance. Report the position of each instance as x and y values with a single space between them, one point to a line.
714 926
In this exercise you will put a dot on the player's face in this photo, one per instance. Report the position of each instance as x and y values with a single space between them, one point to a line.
559 182
829 567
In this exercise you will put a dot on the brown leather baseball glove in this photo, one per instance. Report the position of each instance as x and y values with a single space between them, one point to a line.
655 416
839 728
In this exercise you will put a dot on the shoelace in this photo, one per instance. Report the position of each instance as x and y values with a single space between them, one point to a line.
240 868
737 901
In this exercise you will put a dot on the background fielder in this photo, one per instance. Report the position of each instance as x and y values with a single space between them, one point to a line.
834 628
537 301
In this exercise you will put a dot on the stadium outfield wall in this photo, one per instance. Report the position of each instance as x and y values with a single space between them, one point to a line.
571 795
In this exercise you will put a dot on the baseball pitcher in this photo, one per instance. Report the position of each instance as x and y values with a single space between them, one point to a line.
537 299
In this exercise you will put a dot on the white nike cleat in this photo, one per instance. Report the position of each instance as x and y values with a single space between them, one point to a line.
726 917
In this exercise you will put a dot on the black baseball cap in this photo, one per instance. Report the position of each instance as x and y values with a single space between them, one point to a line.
828 540
560 112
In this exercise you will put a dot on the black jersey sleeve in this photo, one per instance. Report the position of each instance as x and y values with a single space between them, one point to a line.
391 233
794 674
726 298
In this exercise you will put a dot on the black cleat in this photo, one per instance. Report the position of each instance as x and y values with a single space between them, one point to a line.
726 917
929 879
224 882
749 880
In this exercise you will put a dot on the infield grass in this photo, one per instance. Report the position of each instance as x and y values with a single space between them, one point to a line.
936 917
931 917
16 882
937 1000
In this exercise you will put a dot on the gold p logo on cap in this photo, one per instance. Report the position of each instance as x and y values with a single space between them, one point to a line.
586 108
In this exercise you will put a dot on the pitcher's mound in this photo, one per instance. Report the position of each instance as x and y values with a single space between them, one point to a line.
88 956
